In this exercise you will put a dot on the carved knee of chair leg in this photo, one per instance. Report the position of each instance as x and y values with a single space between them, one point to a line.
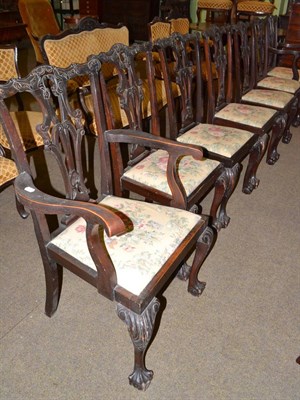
140 328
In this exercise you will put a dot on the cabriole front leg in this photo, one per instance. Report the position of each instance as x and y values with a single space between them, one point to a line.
203 247
140 328
257 152
224 188
277 133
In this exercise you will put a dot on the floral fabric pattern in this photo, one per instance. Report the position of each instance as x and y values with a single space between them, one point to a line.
285 85
218 139
139 254
268 97
152 171
246 114
282 72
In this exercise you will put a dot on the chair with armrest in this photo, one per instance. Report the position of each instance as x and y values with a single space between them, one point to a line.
141 170
245 52
222 109
264 78
114 244
282 59
40 19
25 120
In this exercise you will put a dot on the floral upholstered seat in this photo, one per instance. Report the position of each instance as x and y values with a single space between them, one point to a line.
217 139
151 171
282 72
277 83
139 254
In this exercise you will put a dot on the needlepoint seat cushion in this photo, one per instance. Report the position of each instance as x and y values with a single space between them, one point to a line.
139 254
268 97
244 114
152 172
218 139
282 72
284 85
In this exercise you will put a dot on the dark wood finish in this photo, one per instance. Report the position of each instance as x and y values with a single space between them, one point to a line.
251 37
90 8
135 14
63 133
175 9
11 27
130 91
12 32
187 73
220 100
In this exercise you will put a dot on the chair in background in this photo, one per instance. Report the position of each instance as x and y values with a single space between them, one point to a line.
25 120
216 10
175 9
262 32
39 17
245 49
180 25
283 59
115 245
158 29
222 110
227 145
74 46
249 9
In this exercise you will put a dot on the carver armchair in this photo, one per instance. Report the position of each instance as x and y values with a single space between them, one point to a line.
114 244
142 170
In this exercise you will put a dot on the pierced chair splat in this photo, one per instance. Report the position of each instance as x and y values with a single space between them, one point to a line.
245 53
143 170
114 245
262 121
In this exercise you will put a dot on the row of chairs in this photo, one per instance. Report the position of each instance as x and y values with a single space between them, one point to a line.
130 250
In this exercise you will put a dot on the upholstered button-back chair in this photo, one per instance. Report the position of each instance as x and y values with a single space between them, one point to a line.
39 17
127 249
25 120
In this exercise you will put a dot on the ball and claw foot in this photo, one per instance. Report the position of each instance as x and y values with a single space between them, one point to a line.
274 157
197 289
252 184
221 222
184 272
287 137
141 378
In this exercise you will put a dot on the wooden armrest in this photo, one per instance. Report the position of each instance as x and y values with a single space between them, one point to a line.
95 214
147 140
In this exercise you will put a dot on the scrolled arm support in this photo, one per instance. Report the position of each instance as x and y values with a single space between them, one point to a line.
175 150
